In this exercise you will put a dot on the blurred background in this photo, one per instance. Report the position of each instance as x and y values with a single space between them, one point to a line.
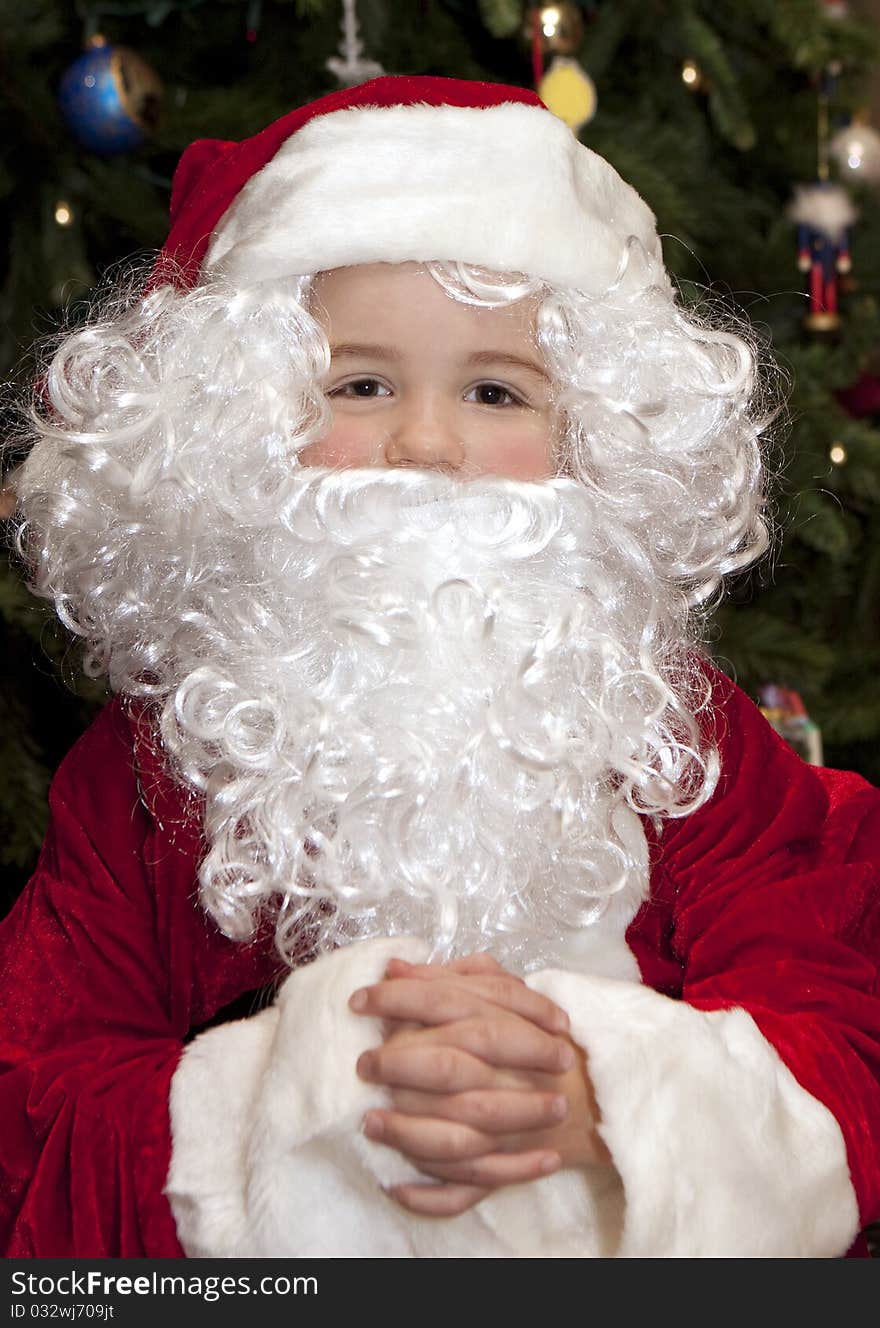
747 126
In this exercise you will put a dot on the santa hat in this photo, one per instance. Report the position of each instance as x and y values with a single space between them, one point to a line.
402 169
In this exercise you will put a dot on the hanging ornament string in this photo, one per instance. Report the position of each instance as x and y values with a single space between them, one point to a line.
822 123
537 46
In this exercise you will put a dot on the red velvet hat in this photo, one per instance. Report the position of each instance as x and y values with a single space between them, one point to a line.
402 169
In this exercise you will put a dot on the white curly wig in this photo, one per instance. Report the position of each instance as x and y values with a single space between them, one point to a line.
409 702
165 514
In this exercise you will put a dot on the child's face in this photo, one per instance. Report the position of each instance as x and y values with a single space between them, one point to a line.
419 379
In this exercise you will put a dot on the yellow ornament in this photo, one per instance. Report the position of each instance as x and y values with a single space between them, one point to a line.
568 92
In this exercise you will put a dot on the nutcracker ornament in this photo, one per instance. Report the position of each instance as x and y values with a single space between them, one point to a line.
824 214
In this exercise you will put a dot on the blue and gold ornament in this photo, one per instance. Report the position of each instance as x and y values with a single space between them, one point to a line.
110 98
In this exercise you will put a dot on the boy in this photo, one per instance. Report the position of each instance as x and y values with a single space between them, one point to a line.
386 509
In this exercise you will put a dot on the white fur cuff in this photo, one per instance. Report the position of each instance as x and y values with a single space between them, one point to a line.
721 1152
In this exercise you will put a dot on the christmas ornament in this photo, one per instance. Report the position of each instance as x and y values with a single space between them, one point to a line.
348 67
785 710
823 213
110 98
565 88
856 149
558 28
552 30
569 92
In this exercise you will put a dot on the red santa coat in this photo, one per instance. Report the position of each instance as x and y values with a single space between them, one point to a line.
751 1047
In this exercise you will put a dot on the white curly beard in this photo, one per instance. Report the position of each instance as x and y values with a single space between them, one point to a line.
432 707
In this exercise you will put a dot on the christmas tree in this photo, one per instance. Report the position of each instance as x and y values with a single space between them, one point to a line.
716 113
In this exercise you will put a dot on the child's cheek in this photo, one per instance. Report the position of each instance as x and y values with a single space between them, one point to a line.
345 444
520 454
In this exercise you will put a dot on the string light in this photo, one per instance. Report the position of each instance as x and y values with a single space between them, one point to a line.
550 19
837 454
690 73
856 149
63 214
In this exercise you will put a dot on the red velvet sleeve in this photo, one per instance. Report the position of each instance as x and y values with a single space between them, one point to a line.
107 964
775 908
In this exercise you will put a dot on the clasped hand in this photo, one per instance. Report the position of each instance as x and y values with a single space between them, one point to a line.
487 1087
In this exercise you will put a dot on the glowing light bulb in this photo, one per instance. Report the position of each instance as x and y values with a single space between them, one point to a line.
550 22
63 214
690 73
837 454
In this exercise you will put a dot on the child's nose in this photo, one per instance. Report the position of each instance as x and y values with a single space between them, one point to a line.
425 433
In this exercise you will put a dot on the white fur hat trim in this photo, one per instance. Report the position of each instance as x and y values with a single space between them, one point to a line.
504 187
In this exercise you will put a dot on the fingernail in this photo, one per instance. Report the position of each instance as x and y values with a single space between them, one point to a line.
374 1126
562 1023
559 1107
358 1001
551 1163
396 965
566 1056
366 1065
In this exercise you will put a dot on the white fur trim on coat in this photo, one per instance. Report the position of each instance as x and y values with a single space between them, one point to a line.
719 1152
505 187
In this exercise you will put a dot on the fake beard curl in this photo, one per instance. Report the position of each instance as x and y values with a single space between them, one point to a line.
432 708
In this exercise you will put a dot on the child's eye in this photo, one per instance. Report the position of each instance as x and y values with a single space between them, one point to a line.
492 394
360 389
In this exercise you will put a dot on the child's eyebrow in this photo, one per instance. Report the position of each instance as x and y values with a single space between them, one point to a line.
364 349
506 357
369 349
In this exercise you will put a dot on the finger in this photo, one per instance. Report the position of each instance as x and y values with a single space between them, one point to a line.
479 963
475 964
442 1000
438 1200
492 1170
502 988
426 1138
425 1067
505 1043
495 1112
